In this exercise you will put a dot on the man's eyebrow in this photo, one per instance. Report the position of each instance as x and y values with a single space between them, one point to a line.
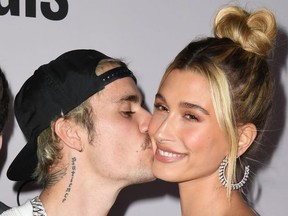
130 98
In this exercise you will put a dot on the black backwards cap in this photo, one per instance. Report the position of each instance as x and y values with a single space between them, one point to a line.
55 88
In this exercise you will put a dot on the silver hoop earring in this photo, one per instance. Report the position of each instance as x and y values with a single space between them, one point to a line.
223 179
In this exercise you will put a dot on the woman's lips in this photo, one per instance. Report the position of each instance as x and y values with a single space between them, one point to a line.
168 156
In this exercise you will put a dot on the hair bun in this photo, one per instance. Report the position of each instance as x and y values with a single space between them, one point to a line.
255 32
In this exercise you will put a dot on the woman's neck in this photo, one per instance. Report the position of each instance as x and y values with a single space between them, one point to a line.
206 197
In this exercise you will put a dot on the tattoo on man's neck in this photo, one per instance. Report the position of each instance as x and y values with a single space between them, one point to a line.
68 189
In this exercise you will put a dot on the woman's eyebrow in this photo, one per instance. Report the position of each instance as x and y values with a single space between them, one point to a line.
184 104
159 96
193 106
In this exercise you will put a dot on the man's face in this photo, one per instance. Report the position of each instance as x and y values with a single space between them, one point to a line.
121 149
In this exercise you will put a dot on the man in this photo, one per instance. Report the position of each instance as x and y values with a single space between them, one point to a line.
4 101
82 113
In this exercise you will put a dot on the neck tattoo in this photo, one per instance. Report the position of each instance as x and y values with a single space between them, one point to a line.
68 189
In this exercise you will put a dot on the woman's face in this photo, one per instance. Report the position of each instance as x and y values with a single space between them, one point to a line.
187 141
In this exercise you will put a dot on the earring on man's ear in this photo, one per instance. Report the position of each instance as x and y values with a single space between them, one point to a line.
223 180
82 148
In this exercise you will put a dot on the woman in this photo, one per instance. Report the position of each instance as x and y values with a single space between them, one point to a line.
210 111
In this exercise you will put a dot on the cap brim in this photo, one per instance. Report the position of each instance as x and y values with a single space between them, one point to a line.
23 166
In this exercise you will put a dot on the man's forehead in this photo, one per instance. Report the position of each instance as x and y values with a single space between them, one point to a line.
121 90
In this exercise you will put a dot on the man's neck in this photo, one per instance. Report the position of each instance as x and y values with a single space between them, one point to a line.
77 194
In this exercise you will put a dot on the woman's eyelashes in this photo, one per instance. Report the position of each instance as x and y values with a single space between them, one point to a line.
191 117
160 107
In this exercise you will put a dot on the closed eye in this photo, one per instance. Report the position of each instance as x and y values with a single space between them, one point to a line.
127 114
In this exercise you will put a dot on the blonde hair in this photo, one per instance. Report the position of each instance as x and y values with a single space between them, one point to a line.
235 64
255 32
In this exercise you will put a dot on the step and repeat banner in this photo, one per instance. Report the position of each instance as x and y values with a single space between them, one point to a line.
147 35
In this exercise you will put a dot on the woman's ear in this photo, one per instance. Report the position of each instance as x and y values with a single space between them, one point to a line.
247 134
68 133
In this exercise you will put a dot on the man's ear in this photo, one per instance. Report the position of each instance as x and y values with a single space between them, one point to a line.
247 134
68 133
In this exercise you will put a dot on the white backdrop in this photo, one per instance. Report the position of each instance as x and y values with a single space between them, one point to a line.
147 34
